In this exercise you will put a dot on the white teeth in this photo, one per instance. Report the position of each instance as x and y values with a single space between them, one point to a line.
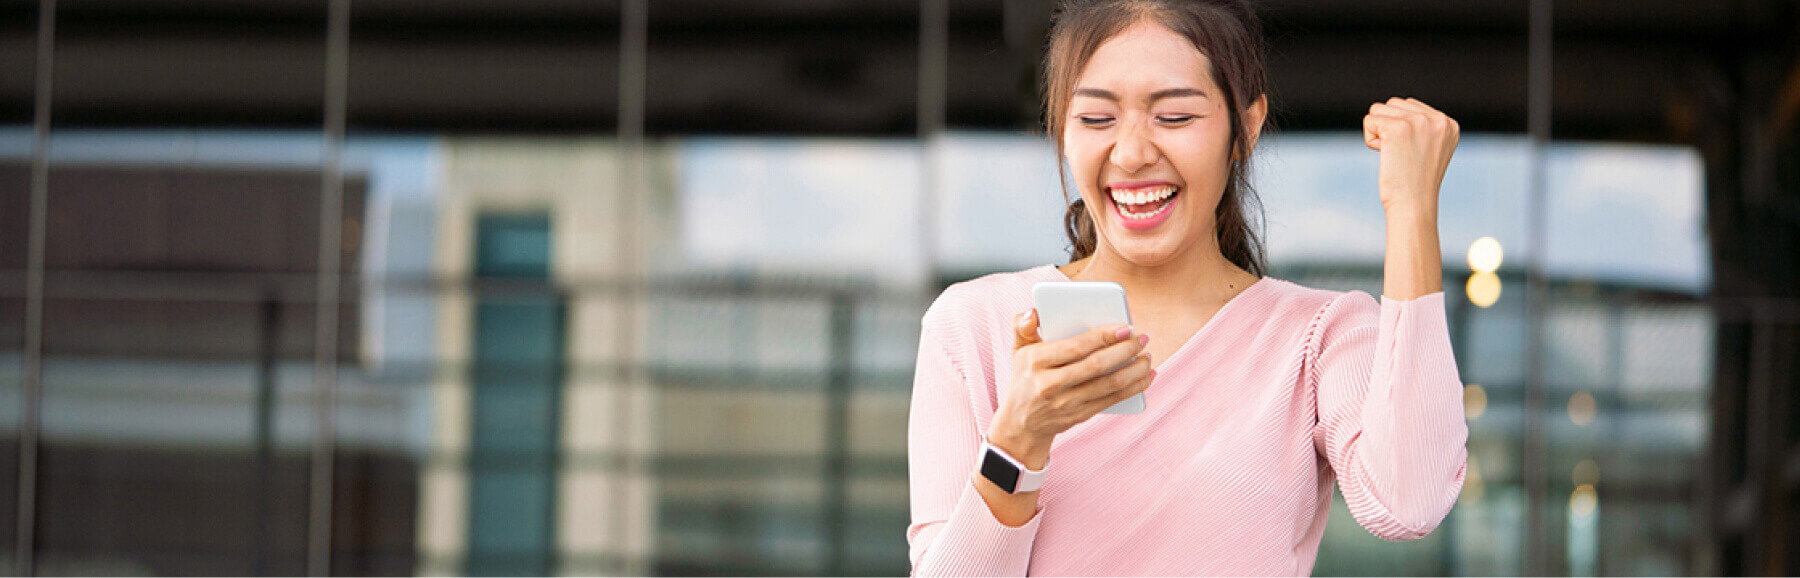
1131 215
1142 196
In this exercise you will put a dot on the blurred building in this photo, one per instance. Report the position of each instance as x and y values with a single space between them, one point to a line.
633 287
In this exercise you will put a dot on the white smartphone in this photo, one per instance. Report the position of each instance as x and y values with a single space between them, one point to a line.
1069 308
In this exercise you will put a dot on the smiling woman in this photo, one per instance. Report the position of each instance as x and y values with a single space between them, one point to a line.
1254 384
1197 87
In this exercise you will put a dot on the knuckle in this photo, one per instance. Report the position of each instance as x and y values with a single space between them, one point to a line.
1122 380
1094 364
1107 383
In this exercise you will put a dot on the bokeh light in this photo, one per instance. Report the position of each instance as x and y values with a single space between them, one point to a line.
1581 408
1483 288
1583 500
1474 401
1485 255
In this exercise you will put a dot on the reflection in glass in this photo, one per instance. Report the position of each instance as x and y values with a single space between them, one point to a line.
184 339
178 340
18 29
15 202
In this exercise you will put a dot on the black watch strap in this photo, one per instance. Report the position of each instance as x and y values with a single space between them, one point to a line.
1007 473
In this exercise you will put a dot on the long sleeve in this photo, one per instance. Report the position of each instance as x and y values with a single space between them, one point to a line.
1390 417
953 532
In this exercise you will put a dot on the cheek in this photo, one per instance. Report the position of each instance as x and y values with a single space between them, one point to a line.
1085 155
1201 156
1210 140
1083 148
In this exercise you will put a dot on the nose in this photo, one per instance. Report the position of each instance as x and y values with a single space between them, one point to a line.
1133 150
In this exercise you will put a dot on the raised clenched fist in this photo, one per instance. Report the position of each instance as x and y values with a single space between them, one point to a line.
1416 142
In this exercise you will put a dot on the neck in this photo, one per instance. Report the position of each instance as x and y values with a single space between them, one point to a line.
1201 272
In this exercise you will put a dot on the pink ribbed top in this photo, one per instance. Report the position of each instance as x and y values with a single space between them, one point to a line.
1229 471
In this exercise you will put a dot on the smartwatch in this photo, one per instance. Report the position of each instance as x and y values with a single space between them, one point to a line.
1007 472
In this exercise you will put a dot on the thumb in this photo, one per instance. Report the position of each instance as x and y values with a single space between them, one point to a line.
1372 132
1025 329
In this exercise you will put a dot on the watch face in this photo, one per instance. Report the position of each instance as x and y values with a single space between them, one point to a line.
999 471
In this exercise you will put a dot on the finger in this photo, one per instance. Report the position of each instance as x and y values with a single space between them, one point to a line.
1073 349
1139 382
1025 329
1421 105
1393 113
1407 104
1415 110
1383 110
1099 362
1412 105
1372 124
1379 124
1107 386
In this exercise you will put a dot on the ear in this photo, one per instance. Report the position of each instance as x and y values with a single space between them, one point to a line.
1253 123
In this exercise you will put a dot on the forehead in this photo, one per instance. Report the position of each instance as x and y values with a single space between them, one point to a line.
1146 56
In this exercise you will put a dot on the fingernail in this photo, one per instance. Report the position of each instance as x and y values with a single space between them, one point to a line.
1123 332
1144 339
1025 318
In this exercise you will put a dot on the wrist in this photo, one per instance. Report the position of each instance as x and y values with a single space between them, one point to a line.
1030 450
1410 211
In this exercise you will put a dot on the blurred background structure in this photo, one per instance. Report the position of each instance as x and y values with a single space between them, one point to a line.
393 287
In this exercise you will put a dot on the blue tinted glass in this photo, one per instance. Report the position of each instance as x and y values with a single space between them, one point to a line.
517 392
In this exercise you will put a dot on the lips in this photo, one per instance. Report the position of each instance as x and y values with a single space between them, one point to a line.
1143 206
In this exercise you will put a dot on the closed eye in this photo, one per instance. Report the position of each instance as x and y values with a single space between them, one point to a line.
1175 119
1095 121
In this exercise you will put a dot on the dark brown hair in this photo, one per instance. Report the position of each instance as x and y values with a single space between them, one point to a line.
1227 32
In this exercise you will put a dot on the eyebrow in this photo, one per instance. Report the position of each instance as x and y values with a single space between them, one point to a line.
1154 96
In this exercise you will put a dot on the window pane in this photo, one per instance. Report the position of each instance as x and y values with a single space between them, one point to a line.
18 36
181 290
487 134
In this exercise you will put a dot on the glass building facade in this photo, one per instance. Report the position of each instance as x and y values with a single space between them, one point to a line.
548 292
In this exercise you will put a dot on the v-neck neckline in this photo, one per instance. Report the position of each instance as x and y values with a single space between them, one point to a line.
1199 334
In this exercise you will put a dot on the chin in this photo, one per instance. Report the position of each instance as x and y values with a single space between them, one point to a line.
1147 252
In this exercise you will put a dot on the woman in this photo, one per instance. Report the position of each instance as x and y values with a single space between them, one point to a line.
1261 392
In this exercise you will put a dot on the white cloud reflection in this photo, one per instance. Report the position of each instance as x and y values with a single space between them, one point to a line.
1619 213
834 207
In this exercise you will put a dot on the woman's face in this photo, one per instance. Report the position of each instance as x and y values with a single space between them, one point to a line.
1148 141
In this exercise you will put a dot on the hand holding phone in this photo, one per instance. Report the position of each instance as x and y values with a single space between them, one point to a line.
1067 309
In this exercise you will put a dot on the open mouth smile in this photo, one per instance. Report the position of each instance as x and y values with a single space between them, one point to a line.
1145 207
